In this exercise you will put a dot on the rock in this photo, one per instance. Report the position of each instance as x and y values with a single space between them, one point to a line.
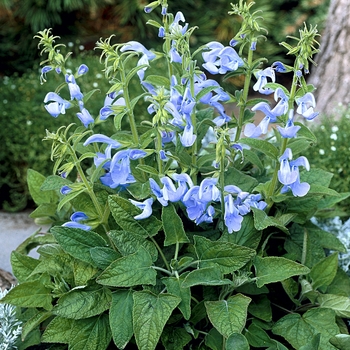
6 279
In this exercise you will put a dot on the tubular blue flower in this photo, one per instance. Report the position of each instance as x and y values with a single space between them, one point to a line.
83 69
279 67
161 32
76 219
167 136
58 106
145 206
176 29
74 88
220 59
120 171
155 188
84 115
208 192
290 130
170 192
306 105
175 56
65 190
262 76
188 137
233 219
44 70
289 176
145 58
102 138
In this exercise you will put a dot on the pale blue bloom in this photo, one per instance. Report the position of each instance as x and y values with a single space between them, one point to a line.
289 176
306 105
74 88
145 58
83 69
220 59
279 67
57 105
84 115
176 29
188 137
233 219
102 138
145 206
155 188
208 192
290 130
262 76
175 56
76 220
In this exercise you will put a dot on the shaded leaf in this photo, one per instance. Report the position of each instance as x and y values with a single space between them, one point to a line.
228 316
150 314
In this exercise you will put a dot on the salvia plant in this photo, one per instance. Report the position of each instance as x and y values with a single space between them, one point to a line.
186 227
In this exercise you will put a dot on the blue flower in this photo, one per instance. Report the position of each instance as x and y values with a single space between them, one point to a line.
155 188
102 138
74 88
83 69
262 76
65 190
233 219
145 58
188 137
76 219
145 206
175 56
289 176
290 130
220 59
120 171
58 106
84 115
176 29
306 105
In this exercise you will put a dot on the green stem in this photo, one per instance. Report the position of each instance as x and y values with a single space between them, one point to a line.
161 253
304 252
89 189
161 269
176 250
244 97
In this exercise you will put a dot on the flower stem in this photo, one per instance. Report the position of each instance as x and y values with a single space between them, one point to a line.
161 253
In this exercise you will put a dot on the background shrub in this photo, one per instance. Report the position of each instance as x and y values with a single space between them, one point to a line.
332 153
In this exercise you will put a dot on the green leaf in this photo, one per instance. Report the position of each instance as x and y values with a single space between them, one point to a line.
119 273
175 286
214 340
83 272
128 243
78 304
260 307
91 333
58 331
340 284
150 314
123 212
324 271
305 132
173 226
243 181
338 303
247 236
262 221
158 80
299 330
262 146
147 169
29 294
313 344
103 256
205 276
257 337
120 317
35 181
228 316
77 242
54 183
237 341
274 269
341 341
34 322
43 210
175 338
22 265
229 256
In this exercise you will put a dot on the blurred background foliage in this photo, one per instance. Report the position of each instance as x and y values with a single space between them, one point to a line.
80 23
